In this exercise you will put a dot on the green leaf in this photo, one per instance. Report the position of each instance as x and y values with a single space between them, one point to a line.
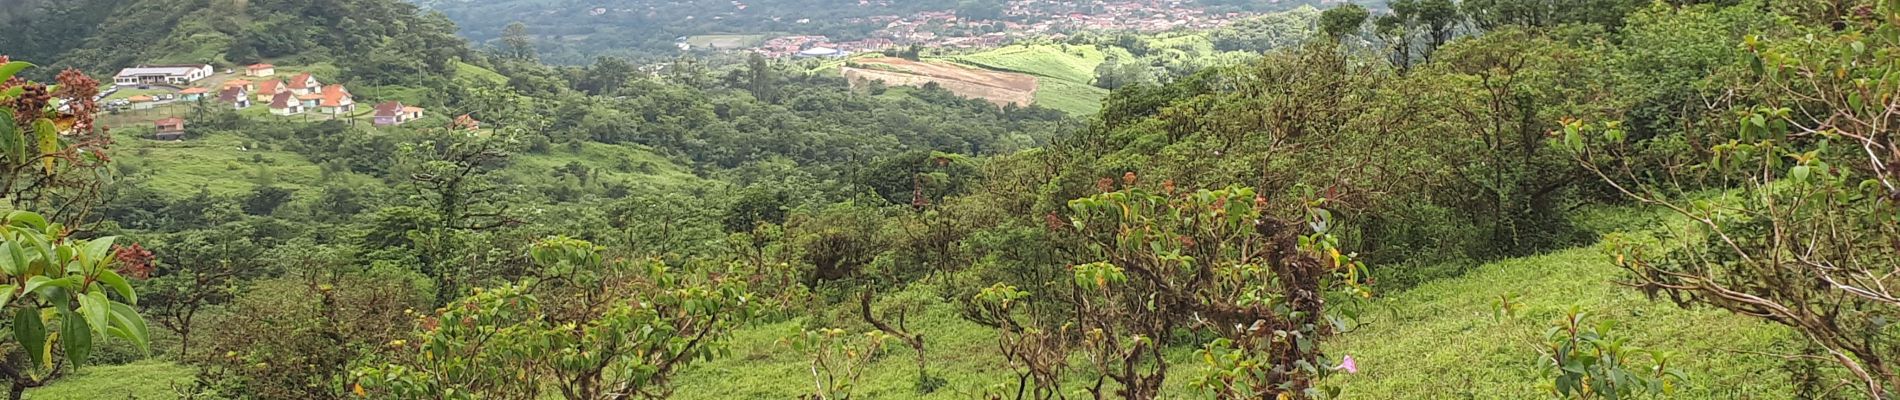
1800 173
12 144
29 218
9 69
76 336
93 307
49 142
98 250
118 284
30 331
132 327
6 294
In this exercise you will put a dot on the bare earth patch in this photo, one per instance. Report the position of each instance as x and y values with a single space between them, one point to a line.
995 86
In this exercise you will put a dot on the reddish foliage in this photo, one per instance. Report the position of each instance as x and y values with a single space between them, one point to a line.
134 261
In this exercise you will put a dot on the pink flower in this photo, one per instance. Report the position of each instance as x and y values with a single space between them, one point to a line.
1348 364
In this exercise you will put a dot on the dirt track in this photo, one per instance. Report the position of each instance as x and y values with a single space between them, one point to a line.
997 87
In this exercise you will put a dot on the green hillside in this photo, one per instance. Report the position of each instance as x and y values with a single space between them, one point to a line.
1064 72
1438 340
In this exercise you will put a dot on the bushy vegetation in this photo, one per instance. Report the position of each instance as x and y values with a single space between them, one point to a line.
1495 199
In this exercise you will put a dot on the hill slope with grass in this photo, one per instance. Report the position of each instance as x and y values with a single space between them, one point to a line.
1438 340
1065 72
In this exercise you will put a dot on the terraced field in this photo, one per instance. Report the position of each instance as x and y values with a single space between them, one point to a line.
998 87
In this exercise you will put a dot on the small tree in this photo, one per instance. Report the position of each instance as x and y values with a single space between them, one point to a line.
1212 262
1808 239
595 329
838 359
56 289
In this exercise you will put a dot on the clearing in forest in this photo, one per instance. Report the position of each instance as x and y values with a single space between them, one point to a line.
997 87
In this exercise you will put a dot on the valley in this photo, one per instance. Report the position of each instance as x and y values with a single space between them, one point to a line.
969 199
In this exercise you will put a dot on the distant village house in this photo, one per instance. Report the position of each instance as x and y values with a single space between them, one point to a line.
162 74
236 97
395 113
170 128
336 100
286 103
270 88
193 93
303 84
142 102
260 70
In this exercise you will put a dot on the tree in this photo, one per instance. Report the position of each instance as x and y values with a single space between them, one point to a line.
516 43
59 289
201 269
1806 241
451 176
590 327
265 199
1343 21
1214 262
60 292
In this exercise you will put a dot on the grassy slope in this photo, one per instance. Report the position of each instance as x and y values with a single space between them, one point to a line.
1063 77
1436 341
142 380
604 160
1441 339
214 162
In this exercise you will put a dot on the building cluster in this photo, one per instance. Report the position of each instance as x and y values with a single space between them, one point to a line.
1027 18
259 84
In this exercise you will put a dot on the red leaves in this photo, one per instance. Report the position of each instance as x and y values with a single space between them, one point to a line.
134 261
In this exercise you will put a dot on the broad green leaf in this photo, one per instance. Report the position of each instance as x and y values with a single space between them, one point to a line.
118 284
76 336
1800 173
98 250
12 141
30 331
6 294
132 326
29 218
95 307
14 67
49 142
37 282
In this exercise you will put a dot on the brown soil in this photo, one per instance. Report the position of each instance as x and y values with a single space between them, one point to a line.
997 87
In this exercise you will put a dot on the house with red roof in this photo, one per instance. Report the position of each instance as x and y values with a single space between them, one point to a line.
303 84
247 85
193 93
142 102
394 113
336 100
467 122
270 88
260 70
286 103
236 97
169 128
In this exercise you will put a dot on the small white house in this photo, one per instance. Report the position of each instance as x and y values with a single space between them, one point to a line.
162 74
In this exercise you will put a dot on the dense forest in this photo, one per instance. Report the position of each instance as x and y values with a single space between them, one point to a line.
1421 199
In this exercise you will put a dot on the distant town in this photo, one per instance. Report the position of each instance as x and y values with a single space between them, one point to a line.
1020 19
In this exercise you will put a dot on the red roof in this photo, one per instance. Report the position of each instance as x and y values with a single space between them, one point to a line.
259 66
389 109
301 81
334 95
173 121
194 90
231 94
282 100
270 86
